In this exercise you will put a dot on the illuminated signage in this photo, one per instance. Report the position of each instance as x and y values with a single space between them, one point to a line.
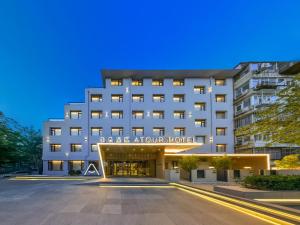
147 140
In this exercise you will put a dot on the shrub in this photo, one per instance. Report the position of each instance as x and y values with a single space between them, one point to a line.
272 182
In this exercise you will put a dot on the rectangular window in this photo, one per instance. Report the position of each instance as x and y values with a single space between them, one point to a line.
178 82
76 147
138 114
157 82
220 131
75 115
137 98
179 114
200 139
55 165
220 82
200 106
75 131
158 98
76 165
200 174
117 114
96 114
117 131
55 147
55 131
96 98
220 147
94 148
138 131
221 114
200 122
137 82
178 98
158 131
158 114
179 131
199 89
117 98
220 98
116 82
96 131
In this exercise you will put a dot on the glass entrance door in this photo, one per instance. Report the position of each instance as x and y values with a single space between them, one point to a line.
143 168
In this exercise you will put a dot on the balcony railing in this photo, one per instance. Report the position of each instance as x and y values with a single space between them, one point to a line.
266 85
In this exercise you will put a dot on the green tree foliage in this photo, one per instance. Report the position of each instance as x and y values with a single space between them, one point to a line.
221 162
289 162
280 122
189 163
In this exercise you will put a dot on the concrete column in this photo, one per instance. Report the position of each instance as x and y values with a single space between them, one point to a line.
160 165
66 168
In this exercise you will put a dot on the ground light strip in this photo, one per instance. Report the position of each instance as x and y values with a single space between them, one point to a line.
249 212
134 186
36 178
251 205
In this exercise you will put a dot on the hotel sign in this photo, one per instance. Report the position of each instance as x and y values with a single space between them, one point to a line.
147 140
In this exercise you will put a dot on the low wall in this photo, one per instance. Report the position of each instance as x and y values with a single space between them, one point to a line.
210 175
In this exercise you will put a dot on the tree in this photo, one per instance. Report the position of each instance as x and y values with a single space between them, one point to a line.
188 164
221 162
289 162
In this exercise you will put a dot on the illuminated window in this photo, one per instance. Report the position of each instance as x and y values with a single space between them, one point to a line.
158 114
96 98
116 82
137 82
138 114
178 98
220 82
138 131
158 131
220 147
137 98
55 131
179 131
117 131
96 114
55 147
76 147
200 123
199 89
75 131
75 115
221 114
158 98
179 114
157 82
76 165
96 131
117 114
200 139
178 82
200 106
94 148
220 131
116 98
55 165
220 98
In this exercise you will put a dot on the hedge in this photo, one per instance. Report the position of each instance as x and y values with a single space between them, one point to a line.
272 182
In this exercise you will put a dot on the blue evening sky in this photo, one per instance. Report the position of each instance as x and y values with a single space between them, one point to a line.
51 50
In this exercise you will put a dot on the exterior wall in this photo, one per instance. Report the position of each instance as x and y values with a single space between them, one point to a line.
210 176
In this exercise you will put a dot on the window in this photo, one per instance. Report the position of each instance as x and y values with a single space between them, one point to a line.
116 98
96 114
75 115
221 114
137 98
138 131
76 165
236 174
137 82
75 131
76 147
117 131
55 147
96 98
220 147
200 174
158 114
200 139
219 82
157 82
94 148
117 114
178 82
220 98
200 122
55 131
179 114
96 131
200 106
158 131
55 165
178 98
116 82
138 114
179 131
199 89
158 98
220 131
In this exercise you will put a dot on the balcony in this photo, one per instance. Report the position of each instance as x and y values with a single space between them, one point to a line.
241 93
266 85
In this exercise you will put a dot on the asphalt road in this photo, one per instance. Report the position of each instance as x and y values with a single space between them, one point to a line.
66 203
